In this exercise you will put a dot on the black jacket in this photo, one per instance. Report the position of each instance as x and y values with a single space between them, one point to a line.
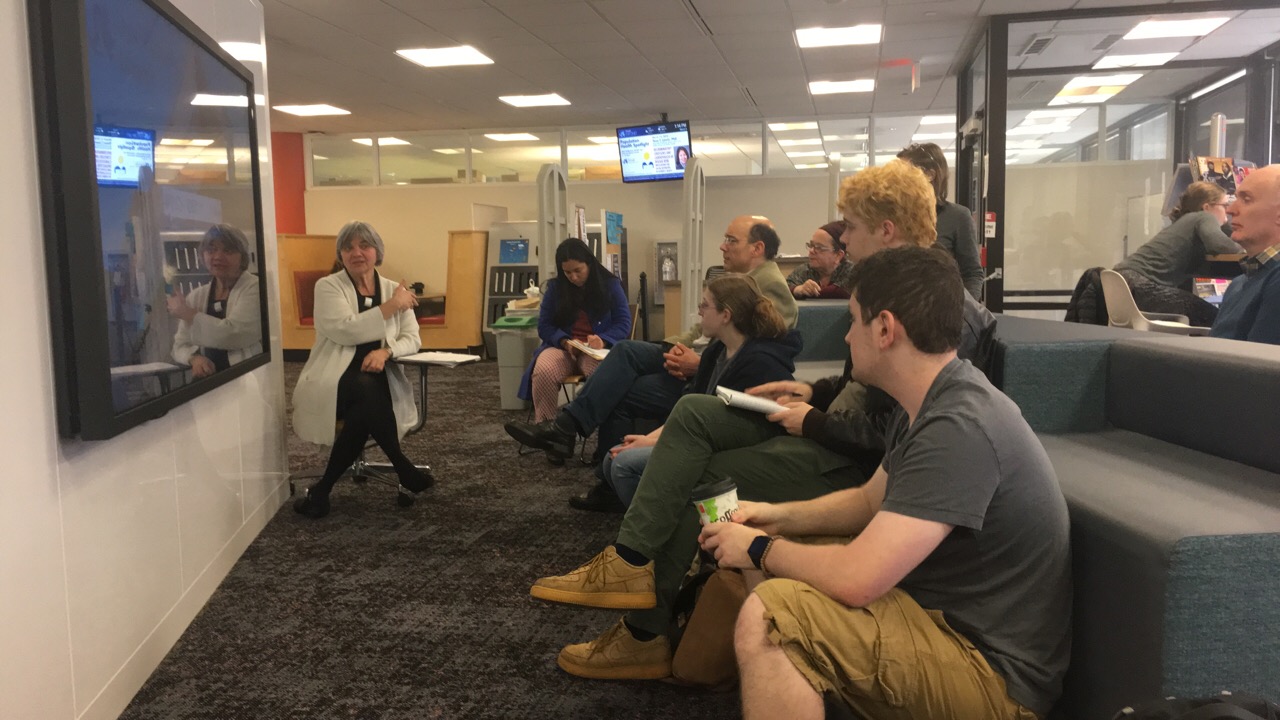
758 361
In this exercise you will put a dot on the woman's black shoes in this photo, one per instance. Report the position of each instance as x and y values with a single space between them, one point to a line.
312 506
600 498
415 480
555 458
542 436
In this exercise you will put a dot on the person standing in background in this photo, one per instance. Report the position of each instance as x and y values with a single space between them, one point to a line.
955 224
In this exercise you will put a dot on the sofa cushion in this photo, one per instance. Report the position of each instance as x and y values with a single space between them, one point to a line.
1218 396
823 325
1174 557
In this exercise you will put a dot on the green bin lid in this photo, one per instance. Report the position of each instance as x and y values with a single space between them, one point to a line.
514 322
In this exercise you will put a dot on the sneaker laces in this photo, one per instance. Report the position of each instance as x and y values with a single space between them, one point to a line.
608 638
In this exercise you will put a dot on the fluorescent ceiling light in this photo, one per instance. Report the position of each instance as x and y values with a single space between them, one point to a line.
807 153
245 51
1093 88
225 100
456 151
533 100
1210 88
1063 113
782 127
938 120
932 136
829 87
1037 129
867 34
804 141
319 157
811 166
1022 144
381 141
445 57
510 137
837 138
198 142
1130 61
604 140
311 110
1149 29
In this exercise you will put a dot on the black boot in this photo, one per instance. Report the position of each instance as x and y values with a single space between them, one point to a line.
546 435
313 506
600 498
415 480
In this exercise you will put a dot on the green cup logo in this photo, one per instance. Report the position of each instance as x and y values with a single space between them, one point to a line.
708 510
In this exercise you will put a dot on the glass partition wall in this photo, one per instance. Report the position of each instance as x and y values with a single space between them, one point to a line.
1077 121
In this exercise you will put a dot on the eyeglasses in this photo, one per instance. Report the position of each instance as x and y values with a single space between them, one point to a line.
731 240
819 248
704 306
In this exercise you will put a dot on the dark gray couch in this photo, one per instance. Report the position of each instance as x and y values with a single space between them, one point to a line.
1168 452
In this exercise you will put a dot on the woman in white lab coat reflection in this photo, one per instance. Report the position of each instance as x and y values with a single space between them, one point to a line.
220 322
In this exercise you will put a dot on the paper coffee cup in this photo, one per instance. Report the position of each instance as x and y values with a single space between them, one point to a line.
716 503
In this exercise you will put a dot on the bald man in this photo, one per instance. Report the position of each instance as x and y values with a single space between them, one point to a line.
641 380
1251 306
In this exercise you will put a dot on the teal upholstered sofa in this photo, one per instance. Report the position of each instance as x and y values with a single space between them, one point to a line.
1168 452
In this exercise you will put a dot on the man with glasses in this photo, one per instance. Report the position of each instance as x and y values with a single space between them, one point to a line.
641 380
827 274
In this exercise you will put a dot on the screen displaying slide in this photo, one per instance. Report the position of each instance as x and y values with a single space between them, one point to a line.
121 152
654 152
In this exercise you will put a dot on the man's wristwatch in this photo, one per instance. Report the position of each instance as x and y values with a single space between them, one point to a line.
757 551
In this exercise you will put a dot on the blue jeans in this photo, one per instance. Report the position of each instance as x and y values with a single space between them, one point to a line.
631 384
623 472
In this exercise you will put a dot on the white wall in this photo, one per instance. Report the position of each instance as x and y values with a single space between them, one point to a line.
109 549
414 220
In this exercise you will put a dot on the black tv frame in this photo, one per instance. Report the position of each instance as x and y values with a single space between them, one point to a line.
73 242
617 134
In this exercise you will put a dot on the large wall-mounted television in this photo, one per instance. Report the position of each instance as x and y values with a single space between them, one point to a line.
142 184
654 152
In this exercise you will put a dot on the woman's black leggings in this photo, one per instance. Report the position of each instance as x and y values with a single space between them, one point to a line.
364 407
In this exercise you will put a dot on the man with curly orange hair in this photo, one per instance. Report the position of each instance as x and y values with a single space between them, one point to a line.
806 451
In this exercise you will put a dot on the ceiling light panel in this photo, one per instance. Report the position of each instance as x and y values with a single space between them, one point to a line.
783 127
245 51
920 137
604 139
445 57
226 100
1093 89
511 137
810 166
533 100
1149 29
829 87
938 120
868 34
382 141
807 153
311 110
1131 61
800 141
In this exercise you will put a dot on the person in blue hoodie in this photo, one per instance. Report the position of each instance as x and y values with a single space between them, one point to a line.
584 302
751 345
1251 306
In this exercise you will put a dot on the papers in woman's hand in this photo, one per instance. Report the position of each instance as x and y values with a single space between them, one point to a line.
735 398
434 357
597 353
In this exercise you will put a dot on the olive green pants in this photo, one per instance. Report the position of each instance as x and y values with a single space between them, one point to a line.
704 441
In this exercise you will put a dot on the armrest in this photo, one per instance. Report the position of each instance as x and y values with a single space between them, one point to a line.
1168 317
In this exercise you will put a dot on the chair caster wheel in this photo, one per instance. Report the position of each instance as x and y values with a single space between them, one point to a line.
404 499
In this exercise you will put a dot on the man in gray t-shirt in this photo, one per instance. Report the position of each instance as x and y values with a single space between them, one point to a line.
954 598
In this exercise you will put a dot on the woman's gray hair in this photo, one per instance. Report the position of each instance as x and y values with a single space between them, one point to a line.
232 239
357 230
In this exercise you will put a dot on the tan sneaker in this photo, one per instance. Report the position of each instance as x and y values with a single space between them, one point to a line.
617 655
607 581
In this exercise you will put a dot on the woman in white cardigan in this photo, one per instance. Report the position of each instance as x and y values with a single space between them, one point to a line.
362 321
220 322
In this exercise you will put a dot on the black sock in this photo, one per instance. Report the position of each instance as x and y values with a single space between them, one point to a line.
630 556
565 423
639 633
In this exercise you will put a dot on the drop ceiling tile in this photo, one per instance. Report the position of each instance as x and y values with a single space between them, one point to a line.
901 13
535 14
772 25
566 36
927 31
628 11
715 8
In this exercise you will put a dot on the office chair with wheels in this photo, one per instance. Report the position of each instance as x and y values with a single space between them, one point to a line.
1123 311
361 471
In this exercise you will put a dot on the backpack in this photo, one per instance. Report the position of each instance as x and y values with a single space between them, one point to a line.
1226 706
706 610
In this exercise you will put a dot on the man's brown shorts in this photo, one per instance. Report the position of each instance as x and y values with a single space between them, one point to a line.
891 659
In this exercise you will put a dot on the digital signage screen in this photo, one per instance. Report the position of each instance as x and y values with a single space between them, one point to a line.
654 152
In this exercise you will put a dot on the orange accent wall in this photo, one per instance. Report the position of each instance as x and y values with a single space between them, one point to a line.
290 182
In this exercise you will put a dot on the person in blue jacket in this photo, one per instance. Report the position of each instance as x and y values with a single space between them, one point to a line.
584 302
750 345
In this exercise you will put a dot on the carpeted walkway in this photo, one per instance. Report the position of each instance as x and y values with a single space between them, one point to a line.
383 612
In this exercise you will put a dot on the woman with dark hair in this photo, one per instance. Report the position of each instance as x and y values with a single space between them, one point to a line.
363 321
955 225
750 345
584 302
220 322
1159 271
827 273
682 157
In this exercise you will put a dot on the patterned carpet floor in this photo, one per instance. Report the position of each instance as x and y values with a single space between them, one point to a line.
423 612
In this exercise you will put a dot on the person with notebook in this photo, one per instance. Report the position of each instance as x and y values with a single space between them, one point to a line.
584 302
750 345
1250 308
807 451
